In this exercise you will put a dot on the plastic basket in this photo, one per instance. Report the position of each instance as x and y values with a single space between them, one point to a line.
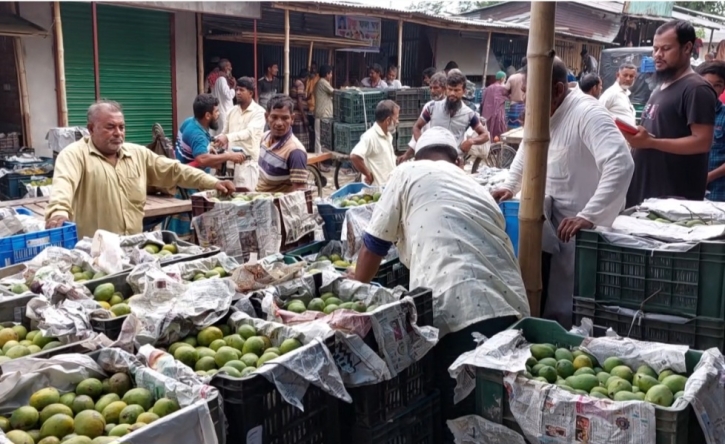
13 164
12 185
698 333
24 247
111 327
403 135
510 210
334 216
409 102
12 309
327 137
418 424
673 426
424 96
9 145
356 105
689 283
347 135
257 413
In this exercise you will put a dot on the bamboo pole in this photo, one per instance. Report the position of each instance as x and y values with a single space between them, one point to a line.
286 52
60 66
309 55
330 56
199 54
23 86
485 59
540 56
400 50
256 69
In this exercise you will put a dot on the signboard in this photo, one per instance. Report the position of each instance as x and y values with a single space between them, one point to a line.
362 29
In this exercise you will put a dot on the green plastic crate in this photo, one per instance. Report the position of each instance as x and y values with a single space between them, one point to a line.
327 139
347 135
409 102
690 283
356 105
403 135
673 426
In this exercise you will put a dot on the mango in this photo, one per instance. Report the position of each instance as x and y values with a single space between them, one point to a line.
53 409
165 406
104 292
130 414
44 397
57 425
139 396
24 418
90 423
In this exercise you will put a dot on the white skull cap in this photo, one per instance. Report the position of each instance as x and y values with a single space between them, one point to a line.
437 136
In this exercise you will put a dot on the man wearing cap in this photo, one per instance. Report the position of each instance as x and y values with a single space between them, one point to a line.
451 235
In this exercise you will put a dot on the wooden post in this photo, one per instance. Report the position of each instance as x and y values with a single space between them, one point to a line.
256 69
540 57
96 68
485 59
330 56
309 55
286 52
200 53
60 66
23 87
400 50
709 45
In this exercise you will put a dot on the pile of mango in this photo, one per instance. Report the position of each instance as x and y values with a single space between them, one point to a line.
17 341
241 197
326 303
239 354
30 171
579 372
356 201
42 183
694 222
82 275
216 272
160 252
96 412
110 299
337 261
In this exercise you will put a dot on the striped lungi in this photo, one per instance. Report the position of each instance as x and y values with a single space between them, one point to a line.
515 115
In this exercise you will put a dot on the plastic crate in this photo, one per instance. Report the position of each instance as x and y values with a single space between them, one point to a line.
423 96
356 105
257 413
347 135
409 102
333 216
200 205
647 65
699 333
403 135
111 327
689 283
510 210
23 247
12 185
169 237
416 425
327 137
14 164
9 145
12 309
673 426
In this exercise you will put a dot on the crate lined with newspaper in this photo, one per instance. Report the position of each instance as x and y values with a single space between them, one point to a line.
640 392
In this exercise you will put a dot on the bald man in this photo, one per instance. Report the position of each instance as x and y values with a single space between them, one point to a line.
100 181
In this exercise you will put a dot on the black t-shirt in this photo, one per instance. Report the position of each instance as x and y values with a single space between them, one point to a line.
668 115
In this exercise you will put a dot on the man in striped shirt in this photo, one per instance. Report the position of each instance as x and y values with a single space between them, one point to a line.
282 157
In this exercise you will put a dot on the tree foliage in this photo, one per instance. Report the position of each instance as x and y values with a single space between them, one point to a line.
447 7
716 8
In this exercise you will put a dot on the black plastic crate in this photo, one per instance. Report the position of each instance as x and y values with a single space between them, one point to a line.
111 327
12 309
418 424
347 135
327 136
403 135
256 412
699 333
409 102
356 105
12 185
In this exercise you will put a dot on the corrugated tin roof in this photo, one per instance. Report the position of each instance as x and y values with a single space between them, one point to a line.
615 7
697 22
713 17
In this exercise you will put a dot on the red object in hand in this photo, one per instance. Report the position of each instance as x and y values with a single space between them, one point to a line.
625 127
194 164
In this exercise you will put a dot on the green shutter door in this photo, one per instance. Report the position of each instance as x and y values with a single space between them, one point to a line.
78 56
134 52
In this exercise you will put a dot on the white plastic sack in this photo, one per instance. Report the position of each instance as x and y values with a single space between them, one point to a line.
246 175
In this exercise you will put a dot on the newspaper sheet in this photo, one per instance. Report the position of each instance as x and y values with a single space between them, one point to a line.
472 429
705 391
295 217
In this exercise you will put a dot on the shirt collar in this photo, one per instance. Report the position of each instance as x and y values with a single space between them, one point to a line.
123 152
379 130
625 91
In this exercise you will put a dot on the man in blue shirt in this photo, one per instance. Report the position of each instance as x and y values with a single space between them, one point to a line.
193 139
714 73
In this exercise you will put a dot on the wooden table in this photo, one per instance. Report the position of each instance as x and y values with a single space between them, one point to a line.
156 206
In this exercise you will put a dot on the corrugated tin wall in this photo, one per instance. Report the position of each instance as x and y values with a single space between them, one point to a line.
658 9
510 50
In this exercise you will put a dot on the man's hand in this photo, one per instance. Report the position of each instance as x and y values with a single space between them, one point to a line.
501 194
466 145
368 178
225 187
402 158
221 141
236 157
570 226
641 140
55 222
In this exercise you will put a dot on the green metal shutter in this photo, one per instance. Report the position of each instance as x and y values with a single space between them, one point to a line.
134 52
78 56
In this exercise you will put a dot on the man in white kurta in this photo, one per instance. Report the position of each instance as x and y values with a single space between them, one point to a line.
437 85
243 129
616 98
450 234
374 155
221 90
588 174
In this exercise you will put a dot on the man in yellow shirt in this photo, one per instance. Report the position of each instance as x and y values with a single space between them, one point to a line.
100 181
244 128
374 155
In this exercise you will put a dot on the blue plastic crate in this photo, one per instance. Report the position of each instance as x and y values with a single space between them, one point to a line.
647 65
334 216
510 210
24 247
351 188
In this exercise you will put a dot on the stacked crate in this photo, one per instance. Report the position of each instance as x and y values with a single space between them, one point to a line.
411 102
